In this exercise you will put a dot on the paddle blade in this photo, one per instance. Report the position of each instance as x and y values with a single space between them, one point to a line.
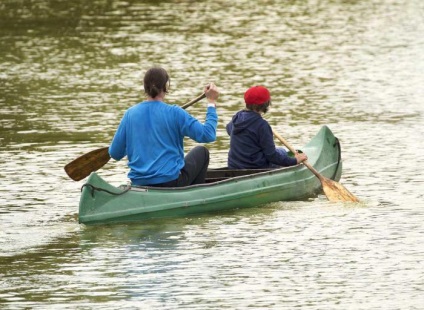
336 192
81 167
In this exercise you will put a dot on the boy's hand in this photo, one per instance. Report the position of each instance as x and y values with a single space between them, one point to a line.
300 157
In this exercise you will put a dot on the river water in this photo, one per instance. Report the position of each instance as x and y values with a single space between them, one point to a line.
68 71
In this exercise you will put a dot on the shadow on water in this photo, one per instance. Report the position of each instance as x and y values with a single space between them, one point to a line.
154 233
132 261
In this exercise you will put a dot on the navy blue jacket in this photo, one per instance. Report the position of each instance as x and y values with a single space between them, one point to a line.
252 145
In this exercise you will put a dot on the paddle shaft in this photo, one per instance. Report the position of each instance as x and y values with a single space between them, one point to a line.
334 191
190 103
309 166
81 167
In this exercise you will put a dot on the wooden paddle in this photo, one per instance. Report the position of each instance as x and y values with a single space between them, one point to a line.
81 167
334 191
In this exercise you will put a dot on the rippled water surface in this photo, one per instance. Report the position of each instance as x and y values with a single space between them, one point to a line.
68 71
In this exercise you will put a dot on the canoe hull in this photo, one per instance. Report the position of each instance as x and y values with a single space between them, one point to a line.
251 190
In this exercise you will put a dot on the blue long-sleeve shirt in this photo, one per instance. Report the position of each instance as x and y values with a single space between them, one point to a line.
151 135
252 145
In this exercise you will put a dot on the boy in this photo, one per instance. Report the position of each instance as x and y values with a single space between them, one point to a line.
251 139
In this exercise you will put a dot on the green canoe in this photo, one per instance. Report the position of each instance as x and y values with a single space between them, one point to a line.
224 189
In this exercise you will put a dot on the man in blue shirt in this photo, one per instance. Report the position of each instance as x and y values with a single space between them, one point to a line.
151 135
251 139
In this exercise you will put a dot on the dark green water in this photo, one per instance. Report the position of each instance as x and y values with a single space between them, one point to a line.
68 71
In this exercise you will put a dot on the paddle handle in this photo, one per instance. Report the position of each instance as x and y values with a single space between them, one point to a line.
282 140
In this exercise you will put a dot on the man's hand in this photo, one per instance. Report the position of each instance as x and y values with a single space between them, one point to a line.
211 92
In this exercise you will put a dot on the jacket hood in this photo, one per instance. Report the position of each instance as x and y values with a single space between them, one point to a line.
244 119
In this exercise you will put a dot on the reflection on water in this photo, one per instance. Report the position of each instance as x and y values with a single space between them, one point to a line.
69 69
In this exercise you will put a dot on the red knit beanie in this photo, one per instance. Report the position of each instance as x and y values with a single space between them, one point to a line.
257 95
